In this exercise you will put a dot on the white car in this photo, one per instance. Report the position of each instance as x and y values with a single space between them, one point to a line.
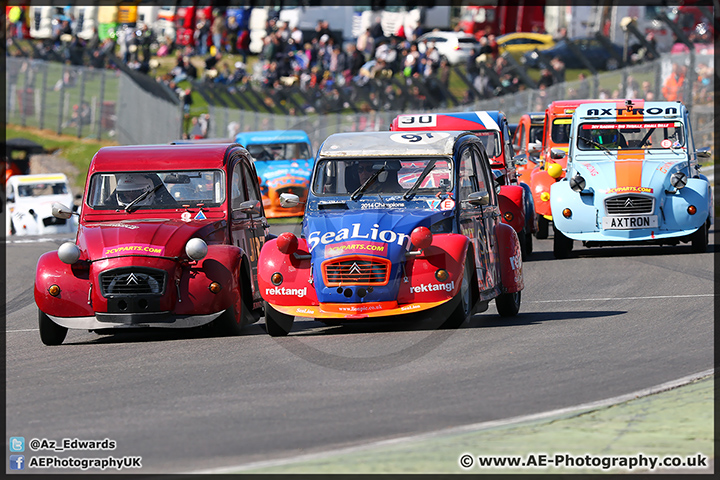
455 46
29 204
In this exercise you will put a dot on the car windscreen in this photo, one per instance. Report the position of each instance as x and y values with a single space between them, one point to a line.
630 135
491 141
279 151
397 176
171 189
560 132
41 189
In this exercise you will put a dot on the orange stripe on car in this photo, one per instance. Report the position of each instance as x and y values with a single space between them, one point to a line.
628 168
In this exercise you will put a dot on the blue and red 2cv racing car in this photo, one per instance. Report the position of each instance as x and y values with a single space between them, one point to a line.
516 200
169 236
395 223
632 178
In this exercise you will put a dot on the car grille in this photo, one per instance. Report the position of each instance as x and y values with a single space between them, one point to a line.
629 205
128 282
356 271
47 221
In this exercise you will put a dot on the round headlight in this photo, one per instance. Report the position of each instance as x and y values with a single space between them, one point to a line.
678 180
421 237
567 213
196 248
555 170
69 253
287 243
577 183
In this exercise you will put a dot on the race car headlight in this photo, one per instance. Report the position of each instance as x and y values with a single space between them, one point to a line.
287 243
577 183
421 237
678 180
555 170
69 253
196 248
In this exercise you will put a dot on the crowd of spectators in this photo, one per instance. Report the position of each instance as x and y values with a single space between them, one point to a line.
331 73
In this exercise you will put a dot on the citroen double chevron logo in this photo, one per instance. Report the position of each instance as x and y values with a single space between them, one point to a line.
629 203
355 269
131 279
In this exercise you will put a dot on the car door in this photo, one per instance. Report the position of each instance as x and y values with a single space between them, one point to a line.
471 220
490 217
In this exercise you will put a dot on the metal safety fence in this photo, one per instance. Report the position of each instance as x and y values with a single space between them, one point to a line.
100 104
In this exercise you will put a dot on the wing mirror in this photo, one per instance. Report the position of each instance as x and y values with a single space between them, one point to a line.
478 198
556 153
534 148
289 200
250 206
520 159
61 211
703 152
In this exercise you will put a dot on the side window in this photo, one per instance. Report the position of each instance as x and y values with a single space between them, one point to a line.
238 194
519 137
251 182
484 176
467 179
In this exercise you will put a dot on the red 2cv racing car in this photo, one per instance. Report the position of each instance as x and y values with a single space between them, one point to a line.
516 202
395 223
169 236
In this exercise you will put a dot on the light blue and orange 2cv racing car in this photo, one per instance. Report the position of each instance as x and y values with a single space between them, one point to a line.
632 178
395 223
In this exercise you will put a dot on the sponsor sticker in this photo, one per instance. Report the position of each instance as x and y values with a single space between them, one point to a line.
360 308
628 223
185 217
629 190
372 205
433 287
326 238
590 168
433 204
447 204
345 248
200 216
297 292
667 143
140 248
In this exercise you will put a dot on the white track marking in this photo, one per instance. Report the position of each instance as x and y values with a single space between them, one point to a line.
651 297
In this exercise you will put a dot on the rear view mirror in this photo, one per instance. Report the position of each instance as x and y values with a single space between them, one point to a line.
703 152
478 198
520 159
556 153
61 211
289 200
534 148
250 206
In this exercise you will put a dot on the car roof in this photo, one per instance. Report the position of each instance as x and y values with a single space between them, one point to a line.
161 157
661 110
386 144
39 178
478 120
558 107
272 136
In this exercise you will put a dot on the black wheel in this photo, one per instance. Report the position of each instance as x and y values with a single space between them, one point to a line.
542 231
508 304
700 239
50 332
229 323
465 298
277 324
562 245
525 243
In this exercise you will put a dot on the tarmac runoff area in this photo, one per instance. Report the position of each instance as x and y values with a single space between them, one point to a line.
674 419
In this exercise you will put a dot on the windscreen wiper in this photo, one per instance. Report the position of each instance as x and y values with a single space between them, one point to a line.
411 193
595 144
357 193
142 197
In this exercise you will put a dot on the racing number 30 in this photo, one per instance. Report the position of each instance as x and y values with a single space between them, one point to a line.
419 119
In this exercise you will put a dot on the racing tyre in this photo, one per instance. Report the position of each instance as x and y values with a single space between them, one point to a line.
466 298
229 323
700 239
50 332
525 243
508 304
277 324
543 226
561 244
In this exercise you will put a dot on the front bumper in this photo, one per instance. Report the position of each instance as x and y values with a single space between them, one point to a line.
135 320
357 311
